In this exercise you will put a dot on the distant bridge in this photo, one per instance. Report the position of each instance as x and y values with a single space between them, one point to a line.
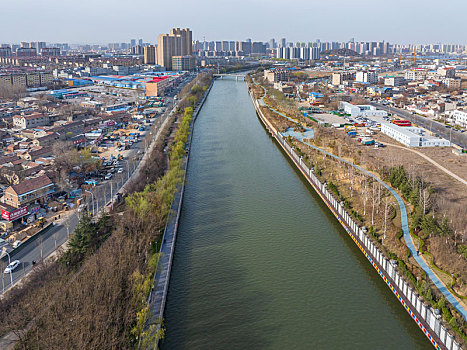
237 76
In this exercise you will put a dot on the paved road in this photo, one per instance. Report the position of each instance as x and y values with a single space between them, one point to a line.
451 134
57 234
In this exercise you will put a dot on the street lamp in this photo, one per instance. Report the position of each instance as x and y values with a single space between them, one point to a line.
127 168
92 198
9 262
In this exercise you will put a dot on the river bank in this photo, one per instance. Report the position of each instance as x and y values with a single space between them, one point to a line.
426 318
158 296
250 263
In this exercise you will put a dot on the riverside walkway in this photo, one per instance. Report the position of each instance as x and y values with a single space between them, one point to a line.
404 219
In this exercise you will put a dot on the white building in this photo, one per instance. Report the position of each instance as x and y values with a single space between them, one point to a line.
361 110
417 74
394 81
369 76
459 117
412 136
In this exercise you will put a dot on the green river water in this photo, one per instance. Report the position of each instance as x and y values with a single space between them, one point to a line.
260 262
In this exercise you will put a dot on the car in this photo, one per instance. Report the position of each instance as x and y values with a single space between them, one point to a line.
120 170
108 176
17 243
12 266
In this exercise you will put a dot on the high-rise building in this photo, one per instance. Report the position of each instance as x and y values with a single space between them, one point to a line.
177 43
39 45
272 44
132 43
283 42
5 51
140 42
50 51
150 54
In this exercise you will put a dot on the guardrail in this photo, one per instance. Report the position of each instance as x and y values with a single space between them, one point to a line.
158 295
427 318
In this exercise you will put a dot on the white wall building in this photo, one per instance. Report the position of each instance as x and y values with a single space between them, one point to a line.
361 110
367 77
394 81
459 117
417 74
412 136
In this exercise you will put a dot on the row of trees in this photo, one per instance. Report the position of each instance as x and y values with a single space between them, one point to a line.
97 298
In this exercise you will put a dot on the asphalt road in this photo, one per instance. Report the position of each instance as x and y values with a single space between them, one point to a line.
42 247
451 134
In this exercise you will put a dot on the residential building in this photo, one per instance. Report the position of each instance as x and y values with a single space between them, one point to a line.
367 77
30 121
28 191
276 75
452 83
416 74
339 77
183 63
50 51
26 52
5 51
150 54
394 81
447 72
459 118
177 43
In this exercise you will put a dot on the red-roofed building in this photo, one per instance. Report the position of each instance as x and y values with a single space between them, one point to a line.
157 86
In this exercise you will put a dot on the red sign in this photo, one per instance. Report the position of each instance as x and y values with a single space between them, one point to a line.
15 214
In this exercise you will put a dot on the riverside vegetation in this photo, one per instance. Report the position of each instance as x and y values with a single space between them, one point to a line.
94 295
371 205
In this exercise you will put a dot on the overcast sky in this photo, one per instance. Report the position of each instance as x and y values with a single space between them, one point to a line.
104 21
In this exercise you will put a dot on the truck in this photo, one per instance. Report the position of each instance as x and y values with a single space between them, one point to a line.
366 141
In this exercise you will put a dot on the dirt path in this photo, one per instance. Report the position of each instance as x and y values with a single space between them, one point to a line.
450 173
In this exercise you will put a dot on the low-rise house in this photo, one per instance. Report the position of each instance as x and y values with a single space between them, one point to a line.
35 153
30 121
28 191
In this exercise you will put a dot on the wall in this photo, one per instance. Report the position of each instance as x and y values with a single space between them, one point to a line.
158 295
428 319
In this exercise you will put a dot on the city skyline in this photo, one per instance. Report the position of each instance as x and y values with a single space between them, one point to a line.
261 21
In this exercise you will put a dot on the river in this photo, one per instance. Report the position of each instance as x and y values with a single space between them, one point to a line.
260 262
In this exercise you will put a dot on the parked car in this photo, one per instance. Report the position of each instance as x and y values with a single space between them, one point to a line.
17 243
120 170
12 266
108 176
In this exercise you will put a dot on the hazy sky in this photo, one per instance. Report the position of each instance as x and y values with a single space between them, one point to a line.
104 21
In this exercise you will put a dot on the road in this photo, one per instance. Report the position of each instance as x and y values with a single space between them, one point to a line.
55 236
451 134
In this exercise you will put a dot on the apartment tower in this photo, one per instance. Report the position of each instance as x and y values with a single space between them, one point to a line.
177 43
150 54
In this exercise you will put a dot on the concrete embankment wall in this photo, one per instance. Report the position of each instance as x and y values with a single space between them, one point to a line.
158 296
427 318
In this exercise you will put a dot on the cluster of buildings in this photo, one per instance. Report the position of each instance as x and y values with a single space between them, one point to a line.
25 77
173 51
27 170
